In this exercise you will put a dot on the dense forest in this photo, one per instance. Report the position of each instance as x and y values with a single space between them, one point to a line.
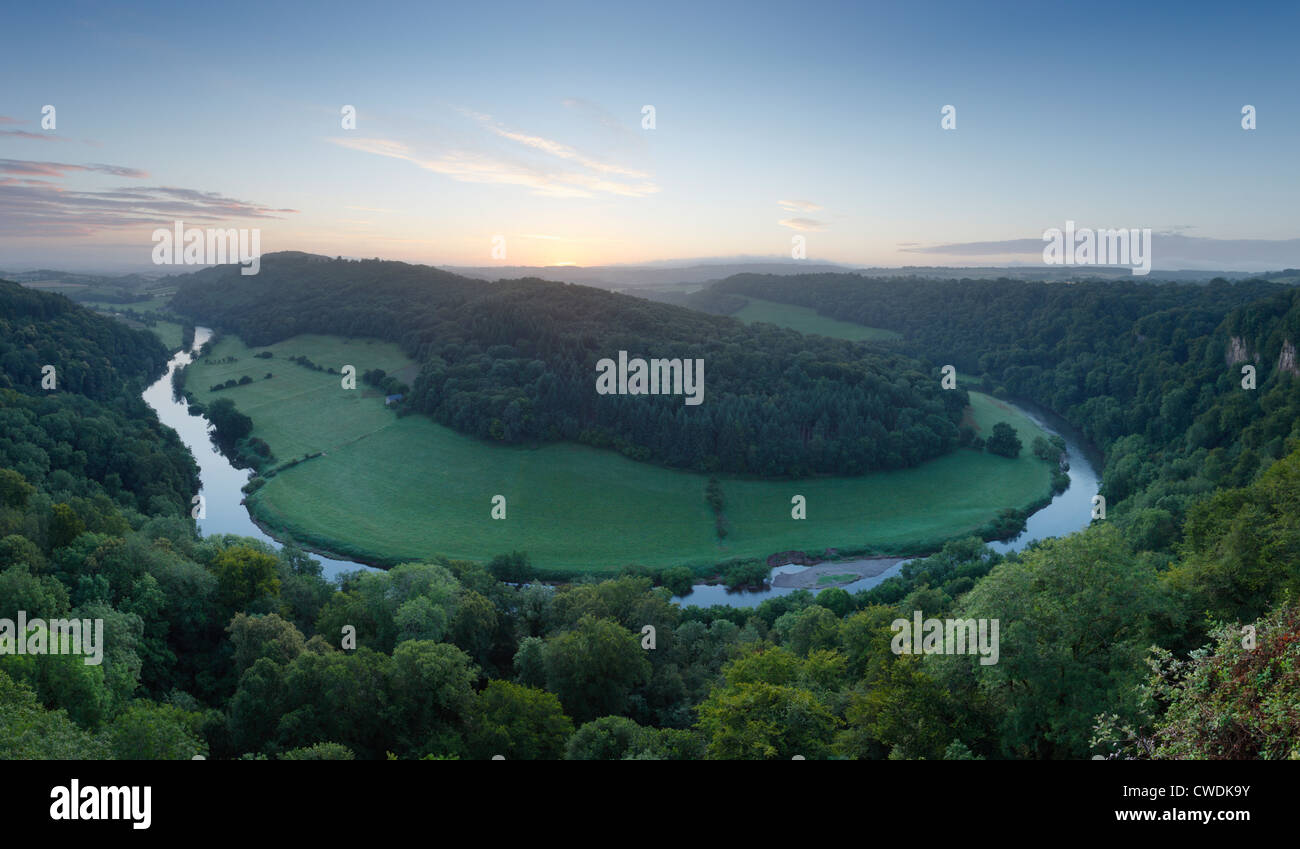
224 647
92 357
515 361
89 437
1149 372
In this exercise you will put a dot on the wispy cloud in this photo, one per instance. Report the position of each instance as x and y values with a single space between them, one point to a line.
39 207
799 205
543 165
555 148
23 134
1169 250
61 169
802 224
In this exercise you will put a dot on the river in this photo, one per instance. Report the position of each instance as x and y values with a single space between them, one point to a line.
225 513
221 482
1068 512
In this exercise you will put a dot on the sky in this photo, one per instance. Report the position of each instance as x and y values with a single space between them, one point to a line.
521 126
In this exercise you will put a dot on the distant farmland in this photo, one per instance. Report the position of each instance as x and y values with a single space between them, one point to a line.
806 320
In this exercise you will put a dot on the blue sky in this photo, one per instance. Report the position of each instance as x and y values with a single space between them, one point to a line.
524 121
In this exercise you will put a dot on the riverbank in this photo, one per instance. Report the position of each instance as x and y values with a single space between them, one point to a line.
836 573
390 489
1063 514
322 553
220 482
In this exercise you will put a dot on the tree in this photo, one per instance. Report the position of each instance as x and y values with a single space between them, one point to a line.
814 627
14 489
40 596
65 526
665 744
1241 547
517 722
512 568
255 710
530 662
431 692
604 739
594 668
15 549
243 575
1048 449
679 579
29 731
342 697
66 682
1075 620
1003 441
319 752
474 627
154 732
228 423
765 721
900 711
269 636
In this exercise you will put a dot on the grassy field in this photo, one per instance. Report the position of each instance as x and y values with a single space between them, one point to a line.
168 331
155 304
300 411
806 320
394 489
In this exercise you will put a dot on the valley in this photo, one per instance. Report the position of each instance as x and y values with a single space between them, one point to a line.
388 489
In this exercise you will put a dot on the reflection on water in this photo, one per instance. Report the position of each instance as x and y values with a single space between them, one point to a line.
706 595
1069 511
221 482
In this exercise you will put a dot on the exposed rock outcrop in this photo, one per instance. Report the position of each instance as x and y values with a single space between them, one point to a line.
1286 359
1237 352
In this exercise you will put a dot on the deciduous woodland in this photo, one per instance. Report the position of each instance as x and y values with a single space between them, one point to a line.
516 361
1126 639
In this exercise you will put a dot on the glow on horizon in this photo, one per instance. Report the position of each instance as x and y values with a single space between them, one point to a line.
532 129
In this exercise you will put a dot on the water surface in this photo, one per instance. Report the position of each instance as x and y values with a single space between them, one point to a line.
221 483
1069 511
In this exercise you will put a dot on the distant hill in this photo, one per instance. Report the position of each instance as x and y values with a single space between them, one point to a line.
1151 374
619 277
644 279
515 361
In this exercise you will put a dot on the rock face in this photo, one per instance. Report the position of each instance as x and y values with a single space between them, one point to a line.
1286 359
1237 352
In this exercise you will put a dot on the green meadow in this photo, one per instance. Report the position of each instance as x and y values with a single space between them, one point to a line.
389 489
806 320
167 331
